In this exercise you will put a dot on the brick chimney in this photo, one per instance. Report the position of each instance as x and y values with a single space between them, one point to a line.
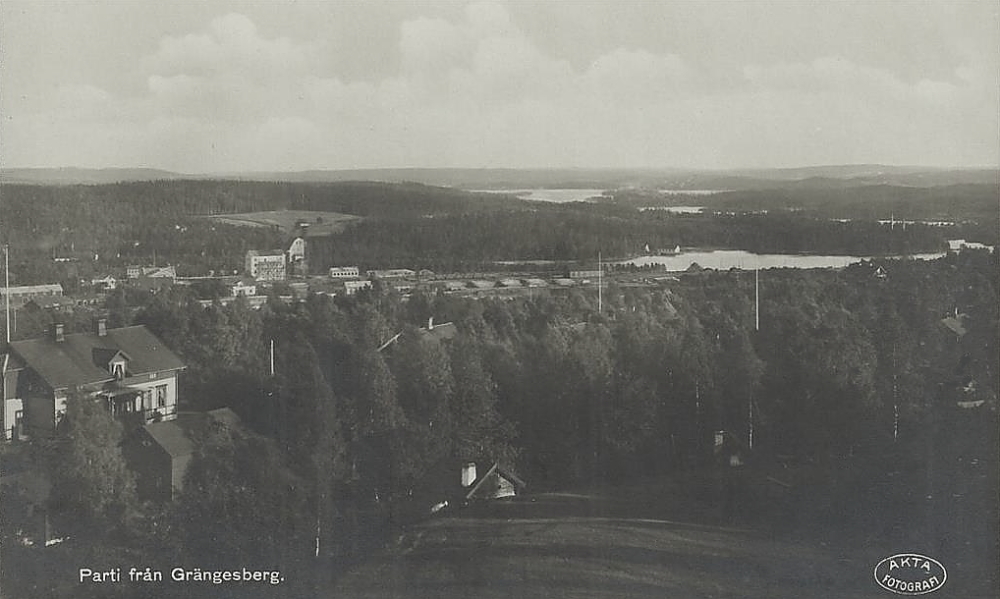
101 327
468 474
58 332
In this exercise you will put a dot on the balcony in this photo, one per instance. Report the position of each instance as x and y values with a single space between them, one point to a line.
126 405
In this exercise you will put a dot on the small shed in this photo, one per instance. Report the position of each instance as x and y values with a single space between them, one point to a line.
160 452
496 483
453 483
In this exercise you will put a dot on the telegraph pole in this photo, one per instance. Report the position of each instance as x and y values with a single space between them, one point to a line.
600 284
756 327
6 287
756 312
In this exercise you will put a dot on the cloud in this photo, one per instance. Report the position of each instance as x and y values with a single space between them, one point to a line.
476 90
837 75
232 45
429 46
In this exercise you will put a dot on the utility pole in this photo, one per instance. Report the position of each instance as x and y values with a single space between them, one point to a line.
895 401
756 327
6 287
756 312
600 284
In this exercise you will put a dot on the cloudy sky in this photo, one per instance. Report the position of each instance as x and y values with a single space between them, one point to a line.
291 85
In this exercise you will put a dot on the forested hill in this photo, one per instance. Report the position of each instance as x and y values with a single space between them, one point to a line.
174 199
850 175
101 227
164 220
977 202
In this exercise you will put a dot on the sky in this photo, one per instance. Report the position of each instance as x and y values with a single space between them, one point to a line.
289 85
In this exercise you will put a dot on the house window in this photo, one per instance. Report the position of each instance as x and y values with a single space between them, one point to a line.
161 396
118 370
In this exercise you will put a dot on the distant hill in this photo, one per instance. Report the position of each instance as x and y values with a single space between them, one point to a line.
87 176
813 177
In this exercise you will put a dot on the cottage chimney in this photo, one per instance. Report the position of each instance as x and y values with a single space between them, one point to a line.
58 333
468 474
430 323
101 327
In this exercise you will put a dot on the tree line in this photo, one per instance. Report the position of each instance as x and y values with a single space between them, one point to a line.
91 229
851 375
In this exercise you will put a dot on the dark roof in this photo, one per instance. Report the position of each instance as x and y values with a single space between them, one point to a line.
176 437
500 472
77 360
443 480
956 324
226 417
172 436
669 308
49 301
12 362
442 331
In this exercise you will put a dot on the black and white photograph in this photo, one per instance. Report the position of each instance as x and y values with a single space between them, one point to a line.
420 299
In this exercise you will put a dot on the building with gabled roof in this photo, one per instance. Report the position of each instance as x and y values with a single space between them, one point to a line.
128 369
439 332
160 452
391 273
496 483
955 324
453 483
153 272
23 294
105 283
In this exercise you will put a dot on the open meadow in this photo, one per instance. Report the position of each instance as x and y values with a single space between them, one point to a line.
320 222
604 545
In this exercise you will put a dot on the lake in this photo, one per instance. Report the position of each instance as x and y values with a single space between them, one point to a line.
548 195
726 259
675 209
692 192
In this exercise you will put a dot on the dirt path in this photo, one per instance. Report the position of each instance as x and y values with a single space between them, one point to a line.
559 546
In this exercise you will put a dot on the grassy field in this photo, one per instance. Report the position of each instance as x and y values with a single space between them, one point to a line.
320 223
582 545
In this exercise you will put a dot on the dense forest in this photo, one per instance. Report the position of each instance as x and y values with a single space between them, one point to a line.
68 233
854 385
581 232
958 203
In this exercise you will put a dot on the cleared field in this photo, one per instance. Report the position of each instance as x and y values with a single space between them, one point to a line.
320 223
560 545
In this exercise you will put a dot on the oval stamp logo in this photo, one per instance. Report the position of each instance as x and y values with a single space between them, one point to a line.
910 574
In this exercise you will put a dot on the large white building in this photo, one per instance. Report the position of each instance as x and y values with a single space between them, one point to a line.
266 265
392 273
25 293
297 250
352 287
345 272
